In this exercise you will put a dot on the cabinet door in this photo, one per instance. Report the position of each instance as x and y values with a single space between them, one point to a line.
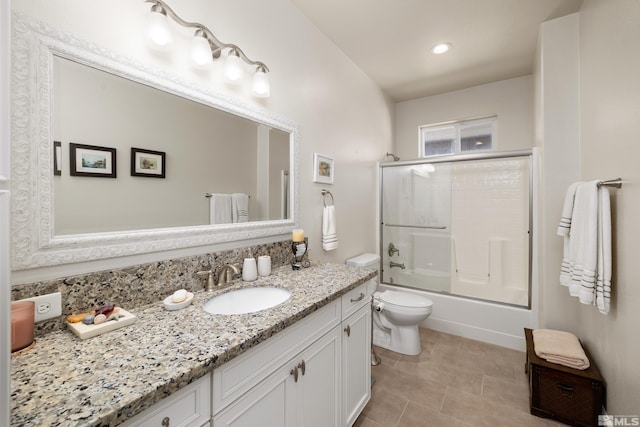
319 388
189 407
356 363
271 402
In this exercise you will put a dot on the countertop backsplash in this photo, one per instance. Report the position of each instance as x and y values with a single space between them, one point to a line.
140 285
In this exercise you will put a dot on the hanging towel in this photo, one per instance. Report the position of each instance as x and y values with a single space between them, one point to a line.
603 275
220 208
240 207
563 230
586 263
329 236
583 243
560 347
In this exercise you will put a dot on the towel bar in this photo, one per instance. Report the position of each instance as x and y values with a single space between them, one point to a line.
616 183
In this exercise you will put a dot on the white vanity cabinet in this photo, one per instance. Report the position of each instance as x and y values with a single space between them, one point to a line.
312 374
356 351
189 407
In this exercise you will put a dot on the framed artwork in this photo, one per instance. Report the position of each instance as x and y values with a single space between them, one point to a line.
148 163
90 160
323 169
57 158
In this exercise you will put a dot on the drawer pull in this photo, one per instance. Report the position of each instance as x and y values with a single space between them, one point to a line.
302 366
566 390
348 330
165 422
294 372
360 298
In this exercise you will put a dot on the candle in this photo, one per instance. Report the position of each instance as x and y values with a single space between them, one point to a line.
297 235
22 315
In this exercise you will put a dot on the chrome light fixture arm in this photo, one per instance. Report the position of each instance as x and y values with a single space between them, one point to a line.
216 45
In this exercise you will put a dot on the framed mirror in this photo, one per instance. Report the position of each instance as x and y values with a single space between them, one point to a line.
113 158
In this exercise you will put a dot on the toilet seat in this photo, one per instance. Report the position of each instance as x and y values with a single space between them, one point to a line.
404 299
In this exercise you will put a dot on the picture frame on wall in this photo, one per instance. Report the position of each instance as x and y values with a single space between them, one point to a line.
57 158
148 163
92 161
323 169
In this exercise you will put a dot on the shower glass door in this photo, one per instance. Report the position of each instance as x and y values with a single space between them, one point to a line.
459 227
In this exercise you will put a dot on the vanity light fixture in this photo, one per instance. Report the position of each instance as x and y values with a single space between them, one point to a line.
441 48
205 47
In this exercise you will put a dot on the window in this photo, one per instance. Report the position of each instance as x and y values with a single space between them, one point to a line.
458 137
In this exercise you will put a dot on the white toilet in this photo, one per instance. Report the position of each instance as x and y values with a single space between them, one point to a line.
396 314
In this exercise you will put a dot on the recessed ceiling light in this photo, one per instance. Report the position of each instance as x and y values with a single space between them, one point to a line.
441 48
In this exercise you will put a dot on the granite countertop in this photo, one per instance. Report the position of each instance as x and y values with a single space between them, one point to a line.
102 381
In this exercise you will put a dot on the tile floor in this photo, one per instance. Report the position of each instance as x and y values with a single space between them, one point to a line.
454 382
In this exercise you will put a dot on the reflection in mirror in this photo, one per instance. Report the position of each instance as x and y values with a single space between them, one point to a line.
205 151
208 143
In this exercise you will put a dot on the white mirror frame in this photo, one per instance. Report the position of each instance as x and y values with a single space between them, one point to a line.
32 218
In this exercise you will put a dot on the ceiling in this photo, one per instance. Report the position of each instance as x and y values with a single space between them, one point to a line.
391 40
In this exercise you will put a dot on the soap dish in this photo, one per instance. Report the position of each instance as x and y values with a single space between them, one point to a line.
170 305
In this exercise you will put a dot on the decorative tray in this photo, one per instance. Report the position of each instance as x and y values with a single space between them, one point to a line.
87 331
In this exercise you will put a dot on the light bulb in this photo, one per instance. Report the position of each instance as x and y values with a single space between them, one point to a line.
158 27
233 67
200 49
260 85
441 48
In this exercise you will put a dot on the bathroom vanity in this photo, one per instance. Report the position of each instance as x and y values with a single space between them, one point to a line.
303 362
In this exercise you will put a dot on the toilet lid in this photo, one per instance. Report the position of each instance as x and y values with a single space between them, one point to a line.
405 299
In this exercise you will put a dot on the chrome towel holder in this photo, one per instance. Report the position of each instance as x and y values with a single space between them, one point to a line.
616 183
326 193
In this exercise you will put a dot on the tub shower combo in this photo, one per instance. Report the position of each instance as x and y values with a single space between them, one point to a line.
459 226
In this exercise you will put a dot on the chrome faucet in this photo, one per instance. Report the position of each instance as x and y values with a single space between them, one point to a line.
227 273
396 264
393 250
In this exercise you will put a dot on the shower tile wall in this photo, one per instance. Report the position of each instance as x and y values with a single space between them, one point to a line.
490 224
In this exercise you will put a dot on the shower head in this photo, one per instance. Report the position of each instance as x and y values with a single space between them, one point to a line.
395 158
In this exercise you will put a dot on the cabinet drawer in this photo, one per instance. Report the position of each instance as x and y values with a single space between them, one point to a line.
357 297
190 407
233 379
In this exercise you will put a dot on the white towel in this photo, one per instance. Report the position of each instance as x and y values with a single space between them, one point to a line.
220 208
603 276
563 230
240 207
583 243
329 235
586 263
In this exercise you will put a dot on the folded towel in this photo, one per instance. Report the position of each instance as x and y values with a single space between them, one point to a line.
240 207
220 208
560 347
329 236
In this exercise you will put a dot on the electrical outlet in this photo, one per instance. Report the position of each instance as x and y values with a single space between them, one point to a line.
47 306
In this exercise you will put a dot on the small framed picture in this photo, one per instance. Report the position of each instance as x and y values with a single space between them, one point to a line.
90 160
57 158
323 169
147 163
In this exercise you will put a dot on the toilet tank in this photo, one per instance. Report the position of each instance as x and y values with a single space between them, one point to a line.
366 260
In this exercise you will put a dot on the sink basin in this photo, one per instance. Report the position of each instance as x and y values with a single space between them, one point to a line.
248 300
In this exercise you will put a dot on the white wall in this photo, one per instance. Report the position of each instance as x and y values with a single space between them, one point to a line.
511 100
609 148
557 137
589 99
340 112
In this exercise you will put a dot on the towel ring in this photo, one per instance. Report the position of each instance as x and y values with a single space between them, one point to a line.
324 198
